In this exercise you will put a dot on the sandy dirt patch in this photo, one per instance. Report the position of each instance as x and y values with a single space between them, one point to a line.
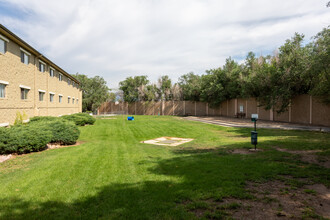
244 151
307 156
168 141
3 158
273 200
55 145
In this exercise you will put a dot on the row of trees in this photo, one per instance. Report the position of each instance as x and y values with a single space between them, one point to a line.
274 79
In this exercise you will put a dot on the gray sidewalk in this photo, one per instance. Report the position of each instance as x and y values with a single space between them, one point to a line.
247 123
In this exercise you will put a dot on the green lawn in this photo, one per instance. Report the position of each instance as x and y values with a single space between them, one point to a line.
113 175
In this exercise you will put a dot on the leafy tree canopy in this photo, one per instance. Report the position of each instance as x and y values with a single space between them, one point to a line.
94 91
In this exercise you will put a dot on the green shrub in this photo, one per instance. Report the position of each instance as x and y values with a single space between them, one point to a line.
89 119
23 139
63 132
35 135
80 119
43 118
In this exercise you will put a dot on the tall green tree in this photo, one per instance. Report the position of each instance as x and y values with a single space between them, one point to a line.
164 87
94 91
190 84
130 87
321 65
112 97
213 88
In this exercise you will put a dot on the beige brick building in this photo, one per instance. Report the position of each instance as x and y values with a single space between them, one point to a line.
32 84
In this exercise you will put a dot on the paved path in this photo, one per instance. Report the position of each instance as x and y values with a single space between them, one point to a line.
247 123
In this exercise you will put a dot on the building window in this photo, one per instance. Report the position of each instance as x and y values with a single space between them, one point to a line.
51 97
42 66
69 82
72 100
60 99
25 56
3 46
77 101
60 77
41 96
51 72
69 100
24 93
2 90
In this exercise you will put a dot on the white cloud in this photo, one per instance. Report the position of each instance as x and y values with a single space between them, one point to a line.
116 39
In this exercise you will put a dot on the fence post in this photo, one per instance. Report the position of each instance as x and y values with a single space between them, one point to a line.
195 108
235 112
184 107
163 107
246 108
271 115
207 109
310 110
144 107
290 111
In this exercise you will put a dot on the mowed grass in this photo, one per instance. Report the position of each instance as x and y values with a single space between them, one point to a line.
114 176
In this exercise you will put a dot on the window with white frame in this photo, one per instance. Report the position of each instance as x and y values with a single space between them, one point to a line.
42 66
69 99
24 93
77 101
3 44
60 98
41 95
51 72
25 56
72 100
3 90
60 77
51 97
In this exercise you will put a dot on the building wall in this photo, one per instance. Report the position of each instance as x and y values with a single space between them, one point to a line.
17 74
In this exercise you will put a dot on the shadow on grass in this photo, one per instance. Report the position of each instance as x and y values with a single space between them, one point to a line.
290 139
206 175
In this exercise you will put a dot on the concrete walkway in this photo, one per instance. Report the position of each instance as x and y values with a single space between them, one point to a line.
247 123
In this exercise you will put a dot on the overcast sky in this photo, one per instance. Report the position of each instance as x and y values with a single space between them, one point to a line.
120 38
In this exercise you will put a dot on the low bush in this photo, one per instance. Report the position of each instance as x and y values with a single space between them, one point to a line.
23 139
89 119
80 119
63 132
35 135
43 118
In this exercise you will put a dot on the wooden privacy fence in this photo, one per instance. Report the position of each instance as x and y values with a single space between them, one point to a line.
304 109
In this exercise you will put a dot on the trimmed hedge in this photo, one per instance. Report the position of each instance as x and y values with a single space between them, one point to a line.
43 118
63 132
35 135
80 119
23 139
